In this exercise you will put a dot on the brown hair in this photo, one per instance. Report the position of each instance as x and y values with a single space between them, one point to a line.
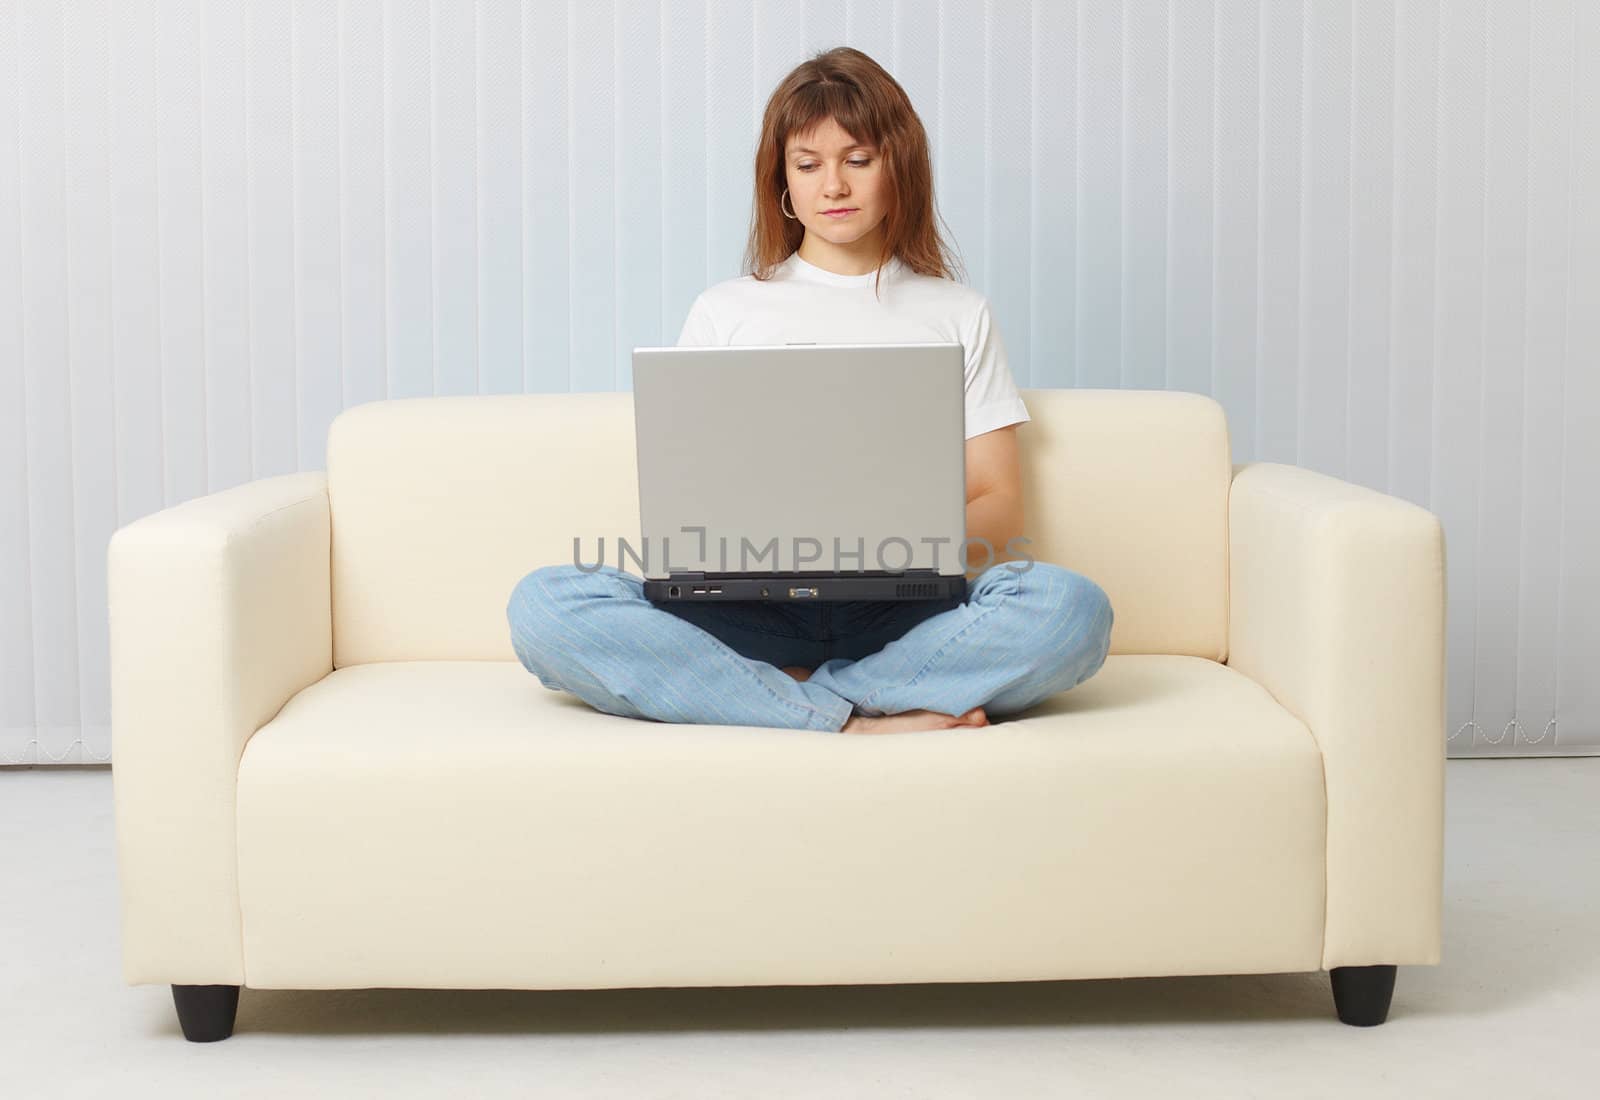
871 106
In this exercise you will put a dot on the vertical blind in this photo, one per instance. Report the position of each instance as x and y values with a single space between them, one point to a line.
1370 229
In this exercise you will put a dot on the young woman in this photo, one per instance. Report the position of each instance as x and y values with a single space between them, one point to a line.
843 250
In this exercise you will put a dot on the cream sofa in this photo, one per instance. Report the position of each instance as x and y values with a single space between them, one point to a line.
331 772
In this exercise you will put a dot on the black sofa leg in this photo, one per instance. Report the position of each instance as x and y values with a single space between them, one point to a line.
206 1012
1361 993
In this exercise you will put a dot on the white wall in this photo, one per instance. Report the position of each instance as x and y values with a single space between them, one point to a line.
1371 230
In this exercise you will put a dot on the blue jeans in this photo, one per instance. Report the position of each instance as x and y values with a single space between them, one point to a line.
1021 636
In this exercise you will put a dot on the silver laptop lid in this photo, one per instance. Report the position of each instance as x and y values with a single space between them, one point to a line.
779 450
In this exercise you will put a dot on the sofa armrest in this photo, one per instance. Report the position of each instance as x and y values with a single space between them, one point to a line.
1337 608
220 611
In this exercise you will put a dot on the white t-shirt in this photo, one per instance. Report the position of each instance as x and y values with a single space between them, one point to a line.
804 303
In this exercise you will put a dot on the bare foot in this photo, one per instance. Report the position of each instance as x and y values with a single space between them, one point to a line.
914 720
799 672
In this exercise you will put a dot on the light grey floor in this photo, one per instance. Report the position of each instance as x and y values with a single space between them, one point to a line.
1512 1011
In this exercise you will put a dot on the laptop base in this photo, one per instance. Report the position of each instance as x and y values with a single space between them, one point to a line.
915 584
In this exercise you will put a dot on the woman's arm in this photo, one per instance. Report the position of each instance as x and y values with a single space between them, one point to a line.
994 495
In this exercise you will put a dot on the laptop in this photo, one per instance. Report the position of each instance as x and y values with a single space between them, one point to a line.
801 472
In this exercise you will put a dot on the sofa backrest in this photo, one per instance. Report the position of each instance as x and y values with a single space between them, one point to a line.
439 505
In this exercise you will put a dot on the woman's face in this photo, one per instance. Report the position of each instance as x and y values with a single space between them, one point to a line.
827 169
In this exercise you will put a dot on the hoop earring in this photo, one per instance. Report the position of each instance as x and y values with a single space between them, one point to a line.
786 213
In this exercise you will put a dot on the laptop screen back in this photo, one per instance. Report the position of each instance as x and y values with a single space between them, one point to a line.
795 457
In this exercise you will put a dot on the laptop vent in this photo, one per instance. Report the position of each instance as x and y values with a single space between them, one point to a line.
916 589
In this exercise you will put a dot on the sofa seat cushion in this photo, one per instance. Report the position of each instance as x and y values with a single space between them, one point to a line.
456 824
